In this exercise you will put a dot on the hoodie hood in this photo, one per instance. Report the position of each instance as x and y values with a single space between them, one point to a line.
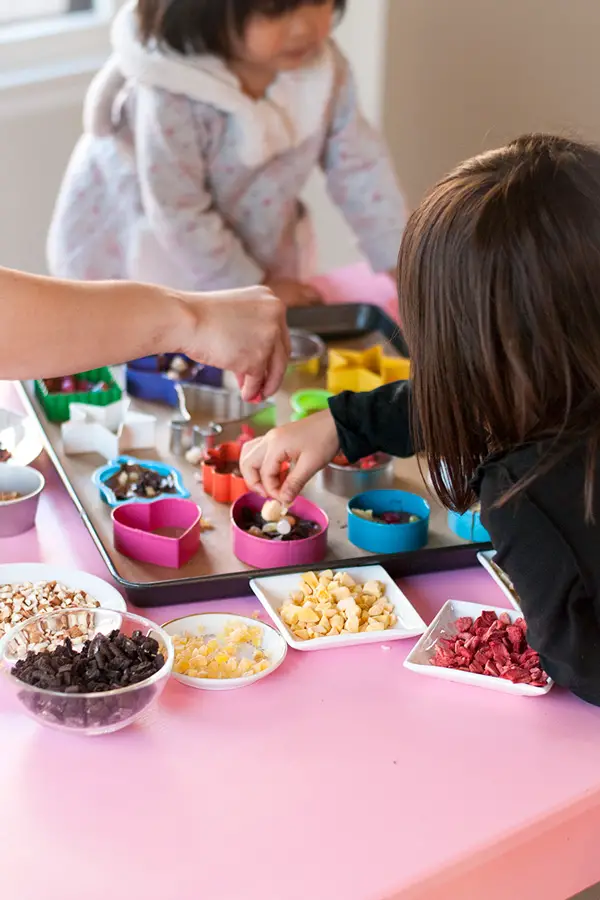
292 111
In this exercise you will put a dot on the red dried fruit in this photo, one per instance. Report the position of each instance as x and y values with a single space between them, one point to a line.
515 636
444 658
490 668
491 646
516 674
529 659
501 654
487 634
472 643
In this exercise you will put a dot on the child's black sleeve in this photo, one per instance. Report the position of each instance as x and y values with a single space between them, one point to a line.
375 421
540 541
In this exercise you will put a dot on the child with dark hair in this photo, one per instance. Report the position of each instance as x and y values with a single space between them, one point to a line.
201 133
499 287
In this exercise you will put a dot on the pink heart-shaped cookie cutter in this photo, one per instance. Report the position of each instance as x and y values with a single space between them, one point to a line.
137 527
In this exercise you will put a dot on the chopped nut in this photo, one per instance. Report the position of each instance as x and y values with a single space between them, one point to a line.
19 602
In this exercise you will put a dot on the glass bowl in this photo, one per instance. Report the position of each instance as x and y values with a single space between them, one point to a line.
92 713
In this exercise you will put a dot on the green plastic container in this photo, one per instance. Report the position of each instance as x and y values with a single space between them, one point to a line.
306 403
56 406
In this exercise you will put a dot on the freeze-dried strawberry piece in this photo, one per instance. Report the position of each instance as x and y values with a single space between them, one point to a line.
501 654
472 643
504 618
490 668
487 635
529 659
476 668
464 624
447 642
515 636
517 675
444 658
522 624
483 654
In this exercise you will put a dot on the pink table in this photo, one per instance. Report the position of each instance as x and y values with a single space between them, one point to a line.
341 777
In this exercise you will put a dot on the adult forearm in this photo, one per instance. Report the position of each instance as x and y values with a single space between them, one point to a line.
54 327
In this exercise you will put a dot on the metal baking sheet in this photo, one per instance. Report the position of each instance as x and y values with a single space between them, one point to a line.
214 572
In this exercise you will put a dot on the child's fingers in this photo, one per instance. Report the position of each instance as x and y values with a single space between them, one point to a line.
250 464
270 472
296 480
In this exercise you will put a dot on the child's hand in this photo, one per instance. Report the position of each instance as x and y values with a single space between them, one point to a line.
243 331
309 445
294 293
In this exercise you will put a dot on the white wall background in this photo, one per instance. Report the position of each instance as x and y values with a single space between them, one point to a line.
39 127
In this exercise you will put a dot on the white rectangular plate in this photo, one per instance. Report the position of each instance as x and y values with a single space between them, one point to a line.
275 591
418 659
486 559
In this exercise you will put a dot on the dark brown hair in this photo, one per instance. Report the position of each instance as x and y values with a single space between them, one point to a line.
207 26
499 286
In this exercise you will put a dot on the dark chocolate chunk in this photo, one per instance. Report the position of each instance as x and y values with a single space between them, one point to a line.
132 480
103 664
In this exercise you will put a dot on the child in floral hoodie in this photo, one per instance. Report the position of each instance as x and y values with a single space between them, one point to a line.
201 133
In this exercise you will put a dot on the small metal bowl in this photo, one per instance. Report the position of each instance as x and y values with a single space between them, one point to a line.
18 516
346 481
307 350
206 413
185 436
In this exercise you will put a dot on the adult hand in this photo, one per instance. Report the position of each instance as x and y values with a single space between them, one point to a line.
309 445
243 331
295 293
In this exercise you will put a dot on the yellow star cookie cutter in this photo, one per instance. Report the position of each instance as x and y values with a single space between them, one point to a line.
364 370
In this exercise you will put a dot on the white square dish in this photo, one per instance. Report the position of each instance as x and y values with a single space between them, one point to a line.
273 592
486 558
419 658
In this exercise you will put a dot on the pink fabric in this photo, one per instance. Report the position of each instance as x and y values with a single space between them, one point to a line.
341 776
358 284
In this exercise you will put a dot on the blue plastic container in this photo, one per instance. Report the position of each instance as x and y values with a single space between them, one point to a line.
146 382
105 473
468 526
377 537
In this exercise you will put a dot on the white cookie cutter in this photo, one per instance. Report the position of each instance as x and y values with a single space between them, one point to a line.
108 430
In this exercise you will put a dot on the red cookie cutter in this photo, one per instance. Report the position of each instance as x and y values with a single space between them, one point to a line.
227 487
224 487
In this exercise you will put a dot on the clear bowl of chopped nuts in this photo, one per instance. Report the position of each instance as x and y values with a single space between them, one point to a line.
88 671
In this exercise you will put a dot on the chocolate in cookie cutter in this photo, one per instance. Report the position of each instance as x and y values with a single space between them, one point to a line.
208 416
